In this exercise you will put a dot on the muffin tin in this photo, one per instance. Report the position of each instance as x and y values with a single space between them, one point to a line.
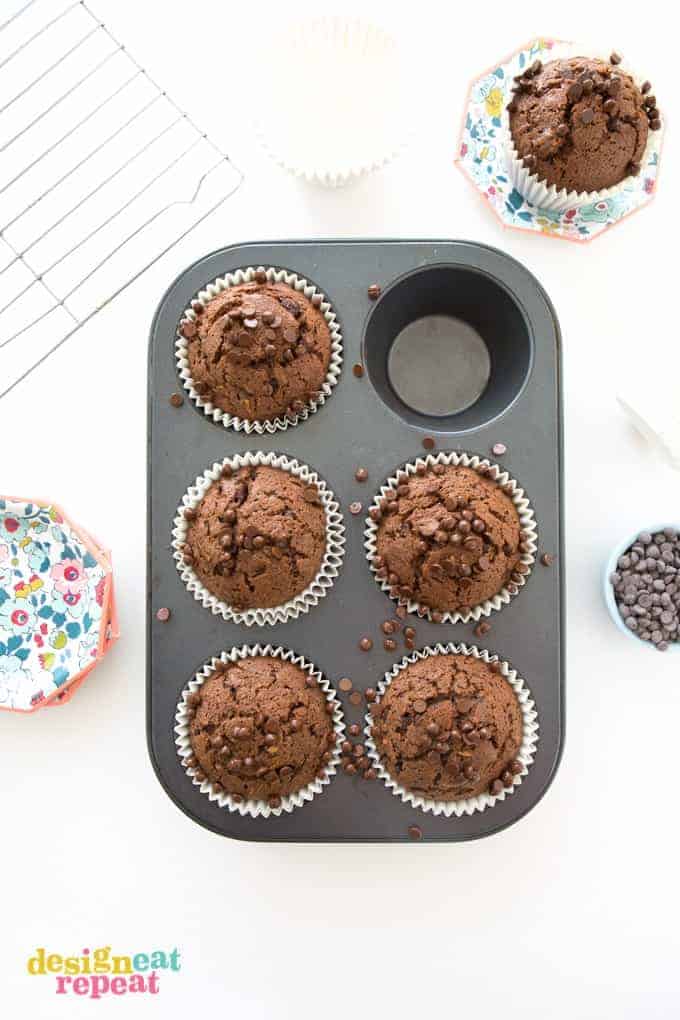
366 423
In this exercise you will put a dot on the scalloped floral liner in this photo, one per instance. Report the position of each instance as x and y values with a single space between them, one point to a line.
522 505
330 565
271 425
548 196
525 754
258 808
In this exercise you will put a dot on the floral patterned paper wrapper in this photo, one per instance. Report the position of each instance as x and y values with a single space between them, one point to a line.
330 565
290 418
257 808
56 620
525 755
546 196
527 524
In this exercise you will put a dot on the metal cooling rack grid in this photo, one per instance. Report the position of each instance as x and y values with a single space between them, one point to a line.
101 174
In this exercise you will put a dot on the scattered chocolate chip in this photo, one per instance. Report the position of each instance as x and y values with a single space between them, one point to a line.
547 559
355 698
482 628
587 115
655 124
163 614
355 729
428 443
370 695
615 58
614 85
415 832
646 87
355 507
345 684
389 644
366 644
358 370
374 291
176 399
361 474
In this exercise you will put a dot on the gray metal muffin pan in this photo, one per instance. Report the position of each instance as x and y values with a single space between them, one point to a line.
364 423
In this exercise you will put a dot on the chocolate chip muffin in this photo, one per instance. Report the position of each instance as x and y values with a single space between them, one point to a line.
449 727
257 538
581 124
448 538
260 728
258 350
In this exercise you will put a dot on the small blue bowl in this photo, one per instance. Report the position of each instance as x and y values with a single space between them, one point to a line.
608 589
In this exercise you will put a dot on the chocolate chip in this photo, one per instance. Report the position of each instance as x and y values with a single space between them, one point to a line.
361 474
389 644
575 91
358 370
176 399
634 169
547 559
645 87
610 106
355 507
366 644
345 684
415 832
260 276
529 161
428 443
563 130
163 614
370 695
655 124
614 85
587 115
374 291
615 58
387 627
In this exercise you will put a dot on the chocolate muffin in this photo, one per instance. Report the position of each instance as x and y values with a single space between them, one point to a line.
449 727
260 728
581 124
258 350
257 538
448 538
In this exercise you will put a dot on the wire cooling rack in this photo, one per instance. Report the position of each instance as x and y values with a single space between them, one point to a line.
101 174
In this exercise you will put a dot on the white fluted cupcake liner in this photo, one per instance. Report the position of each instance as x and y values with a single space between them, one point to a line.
547 196
257 808
335 100
288 419
330 565
527 524
525 755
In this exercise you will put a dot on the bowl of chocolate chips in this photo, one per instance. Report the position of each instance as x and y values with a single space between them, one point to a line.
642 587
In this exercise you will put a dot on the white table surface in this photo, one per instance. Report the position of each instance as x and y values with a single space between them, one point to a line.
570 913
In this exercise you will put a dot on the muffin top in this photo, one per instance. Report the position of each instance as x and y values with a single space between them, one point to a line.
260 728
257 538
258 350
449 727
580 124
448 538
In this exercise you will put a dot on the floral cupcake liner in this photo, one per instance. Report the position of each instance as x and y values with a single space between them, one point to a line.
547 196
526 518
525 754
257 808
57 613
283 422
330 565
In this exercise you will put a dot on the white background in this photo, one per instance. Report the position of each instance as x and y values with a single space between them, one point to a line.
570 913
